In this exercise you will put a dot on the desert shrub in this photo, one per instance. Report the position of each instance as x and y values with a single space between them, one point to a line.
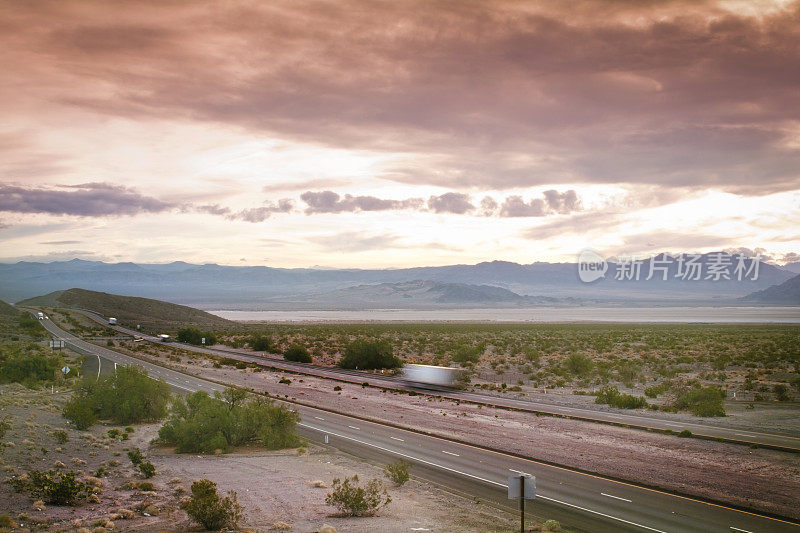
195 336
260 342
298 354
781 393
136 457
5 425
368 355
610 395
7 522
29 365
127 396
147 469
58 488
702 401
145 485
655 390
578 364
61 436
78 410
353 500
337 387
467 354
685 434
202 423
551 525
208 509
398 472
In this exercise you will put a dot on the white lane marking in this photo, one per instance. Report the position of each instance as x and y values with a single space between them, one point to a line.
353 427
673 425
615 497
745 435
450 453
319 418
503 485
397 438
602 514
737 529
518 472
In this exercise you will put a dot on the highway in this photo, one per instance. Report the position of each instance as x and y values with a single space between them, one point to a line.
588 502
641 420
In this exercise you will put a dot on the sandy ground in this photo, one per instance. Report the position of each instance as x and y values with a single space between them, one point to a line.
757 478
273 486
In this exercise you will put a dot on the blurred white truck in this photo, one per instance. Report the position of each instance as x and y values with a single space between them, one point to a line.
431 377
112 321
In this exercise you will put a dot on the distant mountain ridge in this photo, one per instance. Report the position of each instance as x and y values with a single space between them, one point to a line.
787 293
212 286
409 294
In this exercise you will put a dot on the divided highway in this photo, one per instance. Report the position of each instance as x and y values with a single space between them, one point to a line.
588 502
777 440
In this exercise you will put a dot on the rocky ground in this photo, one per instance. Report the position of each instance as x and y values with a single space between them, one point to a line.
280 490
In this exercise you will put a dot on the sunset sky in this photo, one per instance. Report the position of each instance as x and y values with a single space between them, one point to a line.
403 133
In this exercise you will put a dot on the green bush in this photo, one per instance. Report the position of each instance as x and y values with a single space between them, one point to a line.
610 395
578 364
398 472
685 434
79 411
655 390
127 396
353 500
195 336
781 393
467 354
702 401
260 343
551 525
31 365
136 457
203 423
61 436
369 355
211 511
147 469
58 488
298 354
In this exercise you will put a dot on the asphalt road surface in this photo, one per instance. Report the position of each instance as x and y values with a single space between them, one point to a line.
779 440
585 501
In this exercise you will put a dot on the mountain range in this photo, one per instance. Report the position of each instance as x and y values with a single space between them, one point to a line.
212 286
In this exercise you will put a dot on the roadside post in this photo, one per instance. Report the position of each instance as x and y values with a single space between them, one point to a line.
521 487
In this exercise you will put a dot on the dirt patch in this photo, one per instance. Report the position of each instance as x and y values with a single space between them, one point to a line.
273 486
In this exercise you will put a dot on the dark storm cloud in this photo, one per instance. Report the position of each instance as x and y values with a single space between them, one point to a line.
89 199
331 202
669 93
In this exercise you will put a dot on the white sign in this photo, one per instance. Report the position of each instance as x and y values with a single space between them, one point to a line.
514 487
65 369
203 340
57 343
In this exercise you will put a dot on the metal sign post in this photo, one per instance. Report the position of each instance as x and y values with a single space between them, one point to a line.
522 487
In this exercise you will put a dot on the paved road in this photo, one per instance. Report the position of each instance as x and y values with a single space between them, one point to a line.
782 440
592 503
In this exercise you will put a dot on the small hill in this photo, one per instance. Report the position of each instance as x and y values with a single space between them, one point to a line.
8 311
130 310
787 293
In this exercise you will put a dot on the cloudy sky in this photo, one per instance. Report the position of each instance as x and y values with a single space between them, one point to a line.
402 133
